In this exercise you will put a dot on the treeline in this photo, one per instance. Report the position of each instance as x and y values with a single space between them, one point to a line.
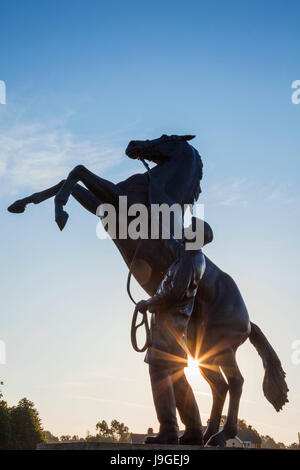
21 428
267 442
116 432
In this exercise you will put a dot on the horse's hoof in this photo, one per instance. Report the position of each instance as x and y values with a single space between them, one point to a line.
17 207
61 219
217 440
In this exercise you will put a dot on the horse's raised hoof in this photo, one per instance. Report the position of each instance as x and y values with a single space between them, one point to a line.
61 218
217 440
17 207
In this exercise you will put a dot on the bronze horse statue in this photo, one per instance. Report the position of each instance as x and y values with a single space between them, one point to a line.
220 321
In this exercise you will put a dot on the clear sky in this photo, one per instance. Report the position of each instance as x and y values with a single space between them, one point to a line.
85 77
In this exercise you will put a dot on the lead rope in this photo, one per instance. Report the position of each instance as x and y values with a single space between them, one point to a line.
144 321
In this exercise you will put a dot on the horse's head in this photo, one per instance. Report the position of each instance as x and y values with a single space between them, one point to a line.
159 150
179 166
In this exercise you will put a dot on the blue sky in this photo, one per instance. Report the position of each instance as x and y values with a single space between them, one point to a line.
85 77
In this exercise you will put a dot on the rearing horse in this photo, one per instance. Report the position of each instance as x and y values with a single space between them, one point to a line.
220 321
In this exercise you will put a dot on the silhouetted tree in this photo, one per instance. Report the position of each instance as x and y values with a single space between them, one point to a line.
65 438
50 437
294 446
103 429
243 425
5 432
282 445
115 432
120 432
269 443
25 425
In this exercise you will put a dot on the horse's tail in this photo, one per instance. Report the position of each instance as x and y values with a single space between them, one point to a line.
274 385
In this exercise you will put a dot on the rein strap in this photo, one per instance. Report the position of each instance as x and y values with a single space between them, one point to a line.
134 325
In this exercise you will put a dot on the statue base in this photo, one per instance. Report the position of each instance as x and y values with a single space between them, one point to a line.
116 446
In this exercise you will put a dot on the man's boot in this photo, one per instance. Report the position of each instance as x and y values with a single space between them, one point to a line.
188 410
165 406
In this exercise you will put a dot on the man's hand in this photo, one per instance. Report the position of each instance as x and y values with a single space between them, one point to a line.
142 306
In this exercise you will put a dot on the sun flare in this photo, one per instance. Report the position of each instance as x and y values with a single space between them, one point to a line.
193 366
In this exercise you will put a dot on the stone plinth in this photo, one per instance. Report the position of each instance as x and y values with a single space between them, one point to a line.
115 446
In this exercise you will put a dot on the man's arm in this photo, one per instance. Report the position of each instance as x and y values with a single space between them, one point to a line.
174 292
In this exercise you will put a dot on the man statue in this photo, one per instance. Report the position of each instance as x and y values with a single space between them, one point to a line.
171 307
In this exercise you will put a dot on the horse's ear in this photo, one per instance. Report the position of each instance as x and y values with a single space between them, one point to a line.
187 137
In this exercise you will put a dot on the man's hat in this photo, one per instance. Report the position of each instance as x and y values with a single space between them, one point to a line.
196 222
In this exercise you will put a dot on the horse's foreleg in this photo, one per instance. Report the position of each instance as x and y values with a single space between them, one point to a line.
20 205
86 198
219 388
102 189
235 384
81 194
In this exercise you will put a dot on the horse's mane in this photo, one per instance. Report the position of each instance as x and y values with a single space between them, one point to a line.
167 171
196 188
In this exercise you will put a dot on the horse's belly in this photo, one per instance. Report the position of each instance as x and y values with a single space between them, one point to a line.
221 321
211 330
229 317
227 309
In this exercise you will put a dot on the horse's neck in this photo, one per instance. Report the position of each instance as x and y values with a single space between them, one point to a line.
178 179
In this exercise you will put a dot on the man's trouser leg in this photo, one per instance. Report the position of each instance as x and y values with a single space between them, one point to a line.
187 408
165 406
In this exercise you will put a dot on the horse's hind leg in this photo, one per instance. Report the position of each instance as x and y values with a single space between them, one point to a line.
219 388
20 205
228 363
